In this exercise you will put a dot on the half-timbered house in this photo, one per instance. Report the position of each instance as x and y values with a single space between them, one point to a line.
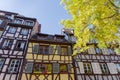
48 58
16 31
27 54
95 63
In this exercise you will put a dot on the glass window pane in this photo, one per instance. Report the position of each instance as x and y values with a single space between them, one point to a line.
12 29
1 63
14 65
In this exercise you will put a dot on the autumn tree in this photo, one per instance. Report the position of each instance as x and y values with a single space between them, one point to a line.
93 20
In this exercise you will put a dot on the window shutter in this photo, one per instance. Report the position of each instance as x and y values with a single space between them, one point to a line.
69 67
51 50
56 68
69 50
91 50
35 49
28 68
105 51
59 49
112 68
80 64
96 68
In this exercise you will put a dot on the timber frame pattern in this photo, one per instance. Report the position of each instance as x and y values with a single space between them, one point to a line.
26 54
95 60
54 57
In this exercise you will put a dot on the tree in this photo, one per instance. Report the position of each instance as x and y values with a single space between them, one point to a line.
93 20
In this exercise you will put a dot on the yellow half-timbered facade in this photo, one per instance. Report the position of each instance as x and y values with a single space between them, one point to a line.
48 58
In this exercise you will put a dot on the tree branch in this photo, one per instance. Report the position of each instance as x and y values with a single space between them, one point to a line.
114 4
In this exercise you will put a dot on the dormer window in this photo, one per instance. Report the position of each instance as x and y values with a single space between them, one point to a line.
29 23
43 37
18 21
110 51
60 39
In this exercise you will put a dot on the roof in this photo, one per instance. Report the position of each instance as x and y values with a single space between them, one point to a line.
47 38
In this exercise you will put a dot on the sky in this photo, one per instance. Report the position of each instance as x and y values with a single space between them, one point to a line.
49 13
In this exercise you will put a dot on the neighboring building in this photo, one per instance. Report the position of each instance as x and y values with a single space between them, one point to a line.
48 58
27 54
95 63
16 31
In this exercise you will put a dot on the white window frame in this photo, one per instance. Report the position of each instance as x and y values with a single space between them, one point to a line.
87 68
12 29
18 21
98 50
24 31
7 43
118 67
31 23
110 51
12 67
104 68
22 45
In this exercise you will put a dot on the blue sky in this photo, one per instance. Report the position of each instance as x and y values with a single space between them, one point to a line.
49 13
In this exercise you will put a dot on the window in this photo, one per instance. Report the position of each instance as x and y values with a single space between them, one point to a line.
18 21
56 67
1 63
98 50
87 68
1 33
7 44
63 68
60 39
8 16
110 51
1 21
24 31
118 67
64 50
35 49
44 49
29 23
104 68
20 45
14 66
42 68
12 29
29 67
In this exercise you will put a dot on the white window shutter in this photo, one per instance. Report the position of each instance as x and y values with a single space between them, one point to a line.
81 67
112 68
28 68
105 51
96 68
56 68
91 50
